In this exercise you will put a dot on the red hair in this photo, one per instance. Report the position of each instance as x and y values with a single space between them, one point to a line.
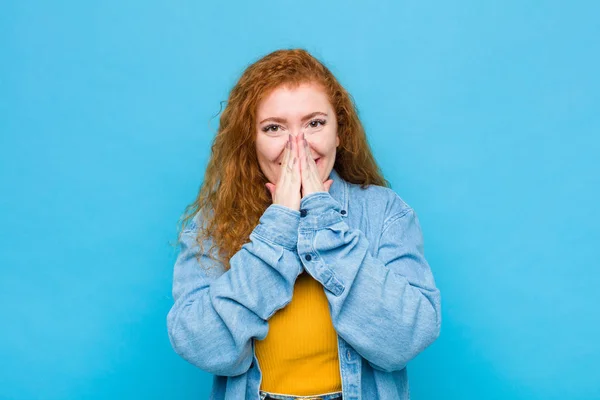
233 196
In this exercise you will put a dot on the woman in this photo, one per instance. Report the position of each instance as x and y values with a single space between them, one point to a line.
319 287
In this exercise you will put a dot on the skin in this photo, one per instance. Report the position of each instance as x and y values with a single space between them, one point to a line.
295 127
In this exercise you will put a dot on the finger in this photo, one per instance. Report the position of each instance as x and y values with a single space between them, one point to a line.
310 162
309 159
295 173
311 167
302 153
291 160
285 161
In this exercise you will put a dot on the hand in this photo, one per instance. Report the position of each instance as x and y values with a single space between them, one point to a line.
311 180
287 190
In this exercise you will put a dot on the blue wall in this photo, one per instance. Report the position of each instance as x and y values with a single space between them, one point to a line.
483 116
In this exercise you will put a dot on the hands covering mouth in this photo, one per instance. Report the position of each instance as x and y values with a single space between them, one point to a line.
299 175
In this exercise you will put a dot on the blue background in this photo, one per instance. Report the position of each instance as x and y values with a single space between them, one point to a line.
484 117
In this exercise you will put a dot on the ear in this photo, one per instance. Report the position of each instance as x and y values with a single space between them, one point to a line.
337 140
270 187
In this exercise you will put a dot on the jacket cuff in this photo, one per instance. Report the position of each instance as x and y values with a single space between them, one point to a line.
319 210
279 224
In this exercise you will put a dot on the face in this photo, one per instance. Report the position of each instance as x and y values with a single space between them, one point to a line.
285 111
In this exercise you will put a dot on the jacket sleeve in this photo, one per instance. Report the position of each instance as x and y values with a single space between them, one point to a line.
216 315
386 307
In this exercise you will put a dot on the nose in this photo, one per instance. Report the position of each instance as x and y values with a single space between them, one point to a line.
299 135
296 136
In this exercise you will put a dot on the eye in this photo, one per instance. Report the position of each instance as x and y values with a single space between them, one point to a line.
271 128
315 123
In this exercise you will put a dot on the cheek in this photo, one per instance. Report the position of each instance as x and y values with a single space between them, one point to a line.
330 138
326 144
268 150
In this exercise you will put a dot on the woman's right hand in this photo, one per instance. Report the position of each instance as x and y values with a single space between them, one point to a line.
287 190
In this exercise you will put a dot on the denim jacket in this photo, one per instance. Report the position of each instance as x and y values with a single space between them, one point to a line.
364 246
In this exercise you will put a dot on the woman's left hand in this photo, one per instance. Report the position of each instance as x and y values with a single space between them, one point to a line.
311 179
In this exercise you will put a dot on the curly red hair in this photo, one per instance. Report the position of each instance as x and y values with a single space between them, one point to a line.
233 196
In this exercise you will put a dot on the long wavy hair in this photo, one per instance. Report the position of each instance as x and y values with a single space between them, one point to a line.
233 195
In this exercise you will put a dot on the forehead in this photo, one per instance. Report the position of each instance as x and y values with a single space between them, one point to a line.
291 100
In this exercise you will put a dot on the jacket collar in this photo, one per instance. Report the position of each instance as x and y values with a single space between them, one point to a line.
339 190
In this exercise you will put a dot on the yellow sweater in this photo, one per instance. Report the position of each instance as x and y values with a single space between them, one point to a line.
299 356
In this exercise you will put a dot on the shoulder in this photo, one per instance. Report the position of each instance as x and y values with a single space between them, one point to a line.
379 200
197 221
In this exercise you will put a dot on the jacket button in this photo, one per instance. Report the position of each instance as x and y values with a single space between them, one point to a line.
343 212
303 212
307 257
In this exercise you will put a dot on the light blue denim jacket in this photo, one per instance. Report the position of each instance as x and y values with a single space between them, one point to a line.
364 246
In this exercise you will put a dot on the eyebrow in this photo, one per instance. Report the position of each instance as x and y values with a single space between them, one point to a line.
305 118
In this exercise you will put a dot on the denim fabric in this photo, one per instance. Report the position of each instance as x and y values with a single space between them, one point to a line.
365 246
